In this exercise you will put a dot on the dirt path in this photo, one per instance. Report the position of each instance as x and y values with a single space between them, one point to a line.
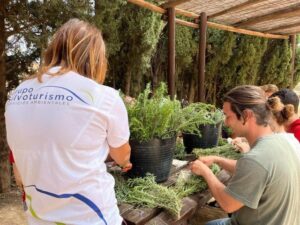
11 209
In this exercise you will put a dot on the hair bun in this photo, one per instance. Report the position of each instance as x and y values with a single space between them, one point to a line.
275 104
288 111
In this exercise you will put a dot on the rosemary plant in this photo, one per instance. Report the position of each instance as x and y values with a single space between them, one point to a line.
226 151
145 192
155 115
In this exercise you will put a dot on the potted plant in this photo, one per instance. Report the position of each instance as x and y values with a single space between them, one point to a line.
209 122
154 121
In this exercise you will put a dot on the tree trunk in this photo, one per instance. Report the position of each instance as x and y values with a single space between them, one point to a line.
5 175
127 83
191 95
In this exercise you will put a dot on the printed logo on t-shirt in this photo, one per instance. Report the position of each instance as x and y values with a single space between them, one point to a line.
47 95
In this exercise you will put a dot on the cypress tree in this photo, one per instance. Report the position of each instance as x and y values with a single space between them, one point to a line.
275 67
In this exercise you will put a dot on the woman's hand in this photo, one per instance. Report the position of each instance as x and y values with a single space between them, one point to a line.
126 167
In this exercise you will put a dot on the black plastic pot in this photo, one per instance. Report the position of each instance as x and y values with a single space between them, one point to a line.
209 137
154 156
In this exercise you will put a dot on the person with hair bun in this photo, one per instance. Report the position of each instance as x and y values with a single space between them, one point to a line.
264 188
280 113
269 89
61 125
289 97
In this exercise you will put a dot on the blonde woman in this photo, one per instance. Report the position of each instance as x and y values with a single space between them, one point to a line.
61 125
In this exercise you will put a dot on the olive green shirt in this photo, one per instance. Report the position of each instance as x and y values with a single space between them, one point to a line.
267 182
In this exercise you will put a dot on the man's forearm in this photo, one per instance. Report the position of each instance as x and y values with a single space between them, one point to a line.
226 164
217 189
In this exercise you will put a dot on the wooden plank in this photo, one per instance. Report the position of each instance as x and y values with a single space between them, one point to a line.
232 29
284 27
140 216
161 10
244 31
123 207
236 8
185 13
294 10
173 3
188 209
155 8
186 23
148 5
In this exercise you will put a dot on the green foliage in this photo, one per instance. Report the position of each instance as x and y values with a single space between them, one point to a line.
220 45
153 117
275 66
188 183
139 31
108 17
145 192
201 114
179 152
222 141
32 27
297 63
226 151
158 116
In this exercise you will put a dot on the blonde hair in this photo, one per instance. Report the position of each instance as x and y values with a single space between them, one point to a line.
281 113
76 46
269 88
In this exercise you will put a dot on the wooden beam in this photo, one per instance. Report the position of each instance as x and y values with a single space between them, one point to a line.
284 13
236 8
187 24
160 10
173 3
148 5
186 13
243 31
231 29
283 27
202 50
294 32
171 55
155 8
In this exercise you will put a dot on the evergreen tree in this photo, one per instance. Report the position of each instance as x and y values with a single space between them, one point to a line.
26 27
275 67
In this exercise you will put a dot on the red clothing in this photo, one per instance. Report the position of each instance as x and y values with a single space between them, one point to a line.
11 157
295 129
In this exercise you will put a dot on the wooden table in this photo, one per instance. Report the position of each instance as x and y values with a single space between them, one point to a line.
147 216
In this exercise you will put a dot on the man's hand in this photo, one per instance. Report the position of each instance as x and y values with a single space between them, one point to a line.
199 168
208 160
241 144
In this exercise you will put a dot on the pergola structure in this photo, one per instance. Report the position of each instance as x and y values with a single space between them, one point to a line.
279 19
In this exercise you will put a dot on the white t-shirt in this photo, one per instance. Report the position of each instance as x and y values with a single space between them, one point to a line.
60 131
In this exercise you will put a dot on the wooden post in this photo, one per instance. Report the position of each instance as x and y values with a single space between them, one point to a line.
202 49
171 57
293 46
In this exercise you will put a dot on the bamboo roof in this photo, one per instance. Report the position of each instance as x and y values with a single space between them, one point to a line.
268 16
